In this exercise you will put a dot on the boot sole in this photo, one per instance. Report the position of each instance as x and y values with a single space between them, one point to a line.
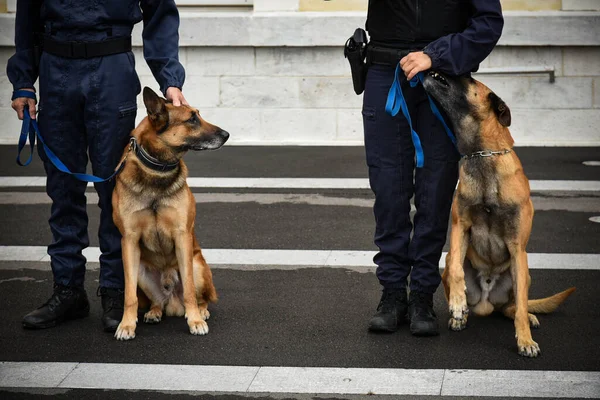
382 329
55 322
424 331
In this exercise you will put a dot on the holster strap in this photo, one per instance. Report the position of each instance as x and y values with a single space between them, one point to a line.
385 56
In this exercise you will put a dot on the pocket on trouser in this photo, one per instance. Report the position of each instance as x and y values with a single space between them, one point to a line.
128 109
370 135
131 59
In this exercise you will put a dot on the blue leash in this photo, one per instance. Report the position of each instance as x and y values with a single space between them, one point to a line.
30 128
396 102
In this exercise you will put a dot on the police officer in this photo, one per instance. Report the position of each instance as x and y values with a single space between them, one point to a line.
450 36
88 87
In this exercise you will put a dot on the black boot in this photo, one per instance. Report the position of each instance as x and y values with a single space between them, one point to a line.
423 321
112 304
391 311
66 303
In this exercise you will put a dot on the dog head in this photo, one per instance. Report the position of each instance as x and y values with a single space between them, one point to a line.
180 129
469 104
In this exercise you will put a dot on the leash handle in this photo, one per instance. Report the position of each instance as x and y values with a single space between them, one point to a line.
396 102
25 128
30 127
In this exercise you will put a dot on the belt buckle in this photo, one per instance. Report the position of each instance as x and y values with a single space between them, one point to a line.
78 50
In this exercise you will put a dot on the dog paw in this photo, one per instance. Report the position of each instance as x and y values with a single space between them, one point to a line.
125 332
204 314
533 321
457 324
153 317
198 328
459 312
528 348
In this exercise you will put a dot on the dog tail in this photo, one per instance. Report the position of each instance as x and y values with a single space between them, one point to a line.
548 304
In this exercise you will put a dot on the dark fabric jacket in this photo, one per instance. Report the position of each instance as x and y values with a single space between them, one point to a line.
457 34
95 21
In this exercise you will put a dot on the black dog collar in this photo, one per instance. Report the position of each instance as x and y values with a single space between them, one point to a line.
150 161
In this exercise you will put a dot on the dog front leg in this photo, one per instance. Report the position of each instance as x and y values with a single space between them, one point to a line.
185 253
131 264
520 275
454 274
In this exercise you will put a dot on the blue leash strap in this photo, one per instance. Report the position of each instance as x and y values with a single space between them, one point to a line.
30 128
396 102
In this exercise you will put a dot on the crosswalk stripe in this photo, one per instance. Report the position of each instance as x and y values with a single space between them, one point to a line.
253 379
306 183
230 258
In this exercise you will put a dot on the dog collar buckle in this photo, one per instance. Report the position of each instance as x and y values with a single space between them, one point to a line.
487 153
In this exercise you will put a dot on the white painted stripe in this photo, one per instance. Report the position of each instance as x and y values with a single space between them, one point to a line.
307 183
365 381
575 186
591 163
504 383
308 258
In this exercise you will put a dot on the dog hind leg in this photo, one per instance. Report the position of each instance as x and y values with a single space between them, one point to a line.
510 311
157 289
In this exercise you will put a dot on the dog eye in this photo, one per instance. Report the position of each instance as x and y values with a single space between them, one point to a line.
194 119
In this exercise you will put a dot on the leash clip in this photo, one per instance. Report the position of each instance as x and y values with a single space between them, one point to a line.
131 144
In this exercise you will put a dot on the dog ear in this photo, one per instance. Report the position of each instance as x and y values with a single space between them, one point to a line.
156 108
501 109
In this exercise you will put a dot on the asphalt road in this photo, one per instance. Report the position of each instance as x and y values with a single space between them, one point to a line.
311 317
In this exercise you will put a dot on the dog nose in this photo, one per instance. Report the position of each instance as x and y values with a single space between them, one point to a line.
225 134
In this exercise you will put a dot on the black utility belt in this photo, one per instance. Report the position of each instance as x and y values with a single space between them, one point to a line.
86 49
385 55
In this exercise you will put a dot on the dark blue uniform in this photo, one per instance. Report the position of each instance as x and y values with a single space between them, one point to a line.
457 35
89 106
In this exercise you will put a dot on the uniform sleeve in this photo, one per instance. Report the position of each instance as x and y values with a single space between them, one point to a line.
161 42
22 67
461 53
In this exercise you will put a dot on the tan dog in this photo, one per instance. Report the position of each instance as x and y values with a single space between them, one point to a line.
492 213
154 209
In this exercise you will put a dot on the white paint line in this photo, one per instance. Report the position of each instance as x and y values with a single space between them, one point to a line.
308 258
348 381
574 186
591 163
160 377
34 374
307 183
36 198
253 379
503 383
595 219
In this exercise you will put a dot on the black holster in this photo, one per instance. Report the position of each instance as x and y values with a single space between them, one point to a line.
355 51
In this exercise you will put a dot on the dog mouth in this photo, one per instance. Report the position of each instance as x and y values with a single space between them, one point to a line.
438 77
213 143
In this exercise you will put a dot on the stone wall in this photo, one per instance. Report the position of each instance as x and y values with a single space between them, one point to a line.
264 80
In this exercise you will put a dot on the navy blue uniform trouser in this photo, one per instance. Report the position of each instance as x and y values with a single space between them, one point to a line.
87 106
390 156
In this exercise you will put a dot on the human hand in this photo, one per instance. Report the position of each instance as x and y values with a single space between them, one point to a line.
20 103
414 63
174 94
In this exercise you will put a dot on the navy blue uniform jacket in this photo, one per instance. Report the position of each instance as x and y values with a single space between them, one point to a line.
460 53
87 20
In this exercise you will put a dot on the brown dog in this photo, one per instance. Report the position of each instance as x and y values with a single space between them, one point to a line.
492 213
154 209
